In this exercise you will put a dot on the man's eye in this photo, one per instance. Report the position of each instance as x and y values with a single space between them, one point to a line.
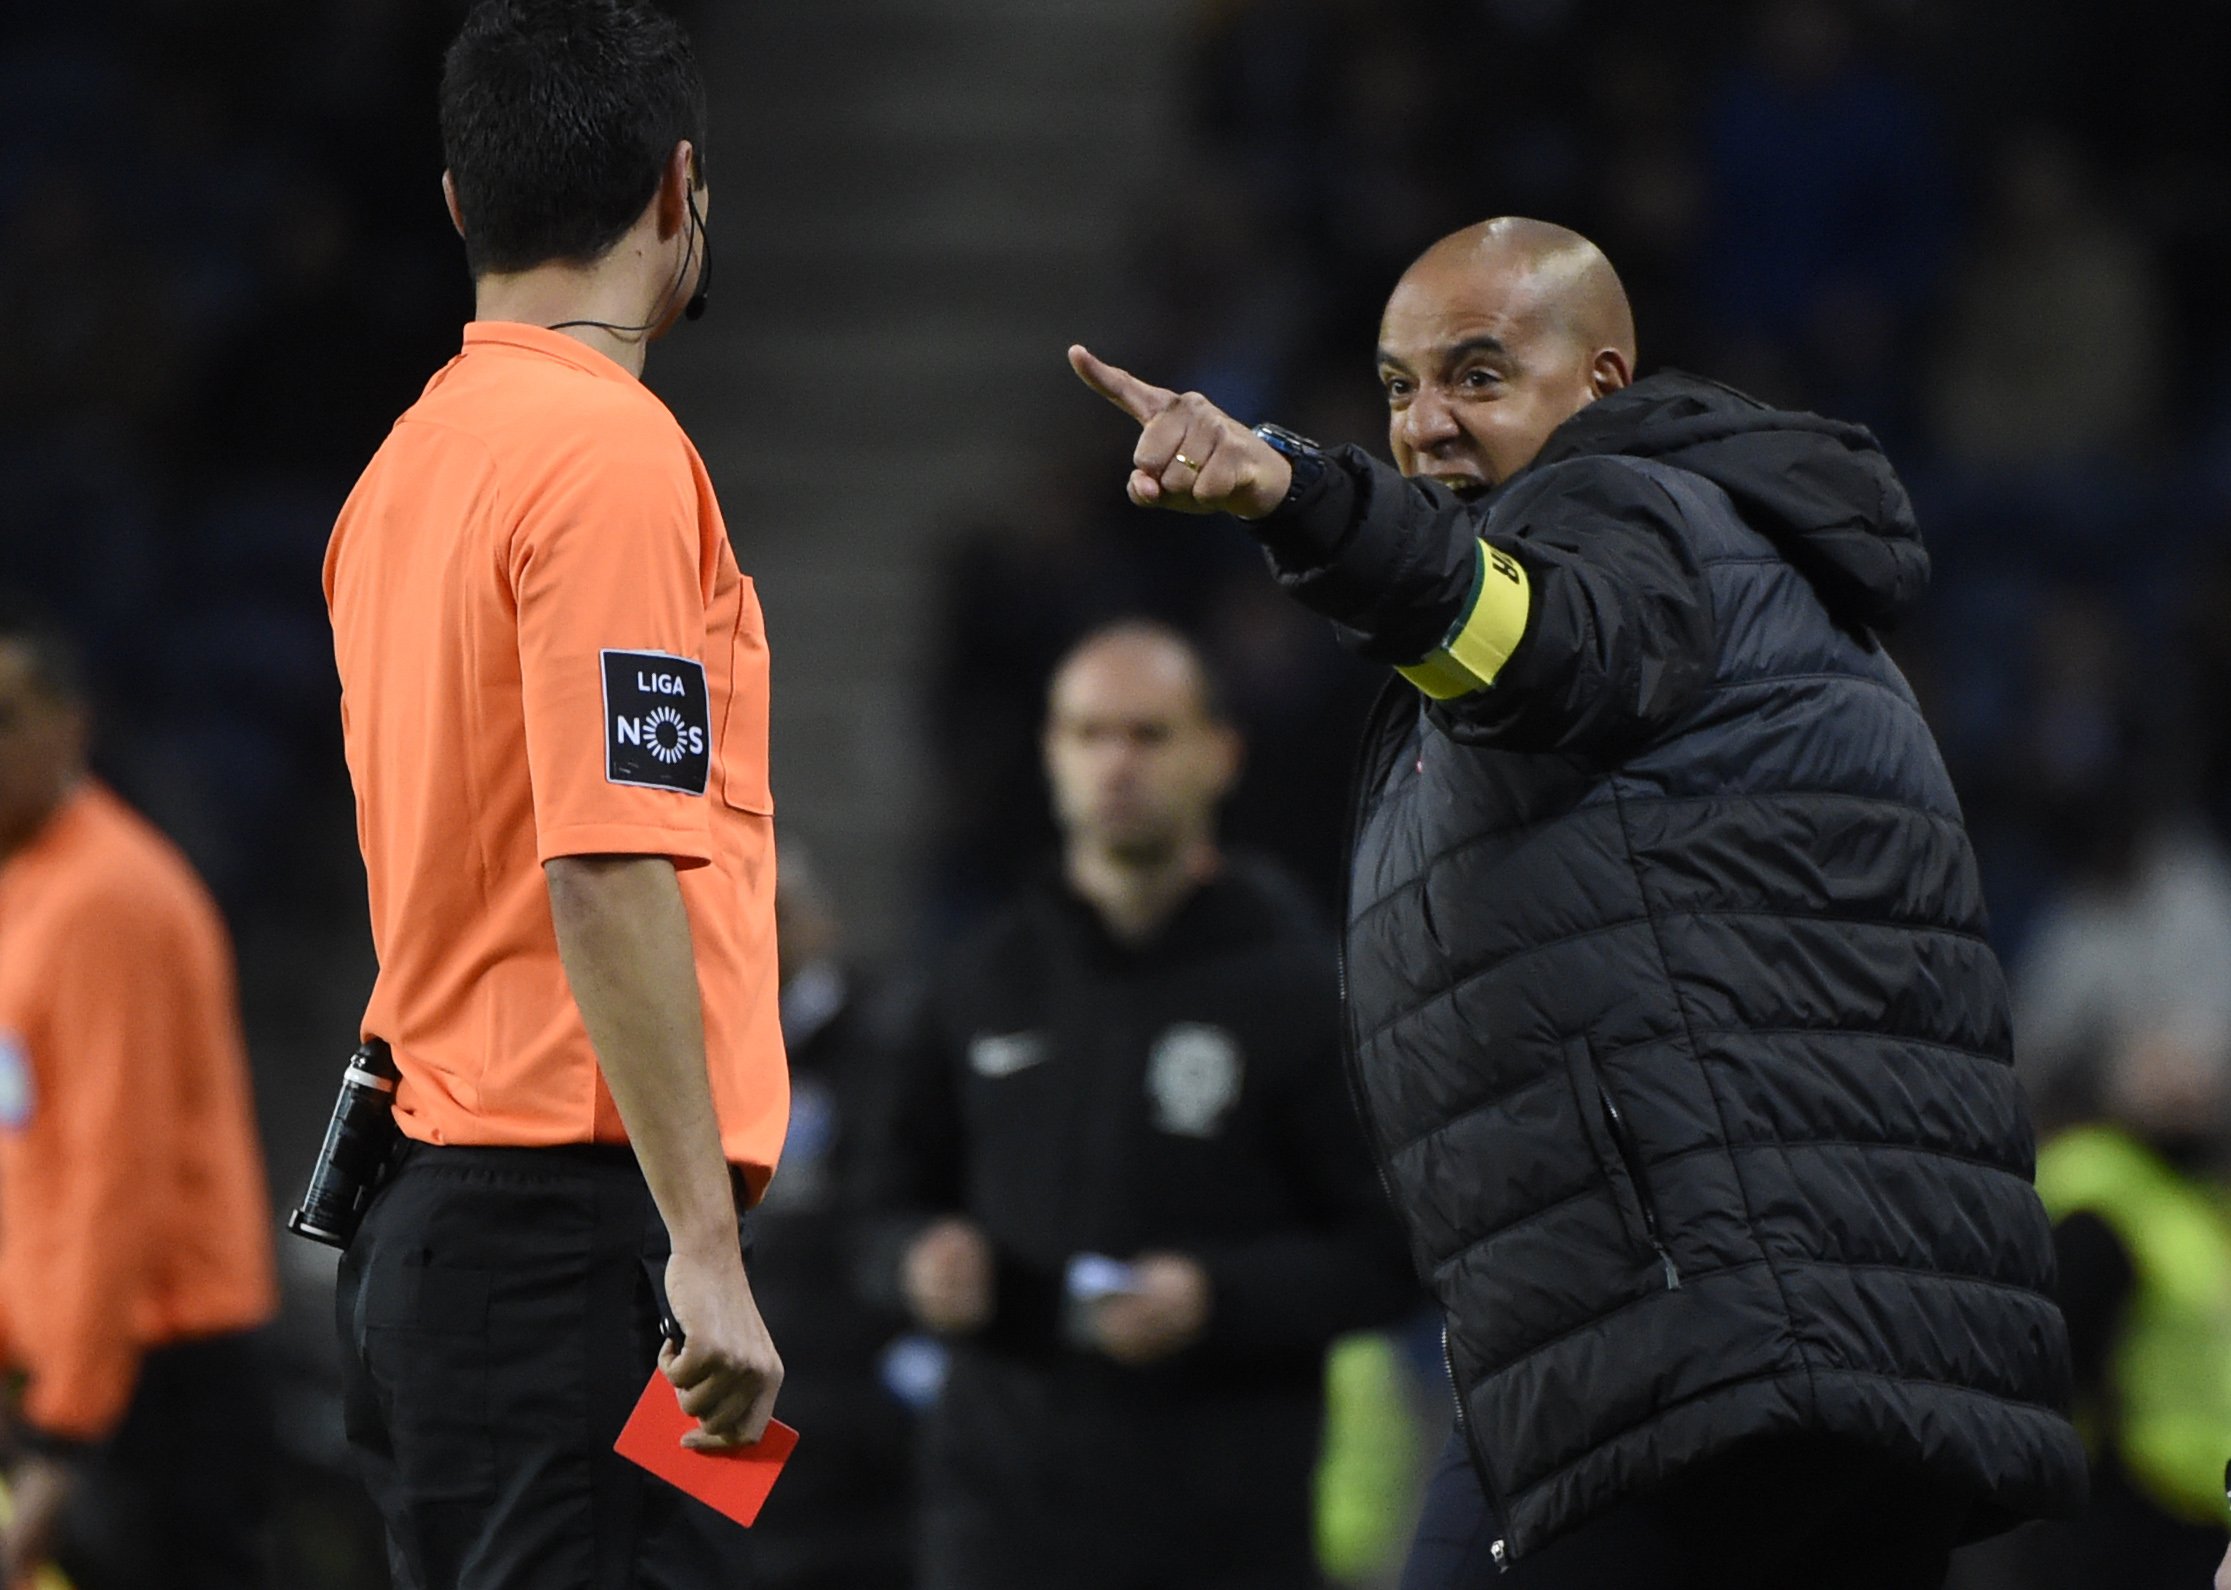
1396 387
1476 379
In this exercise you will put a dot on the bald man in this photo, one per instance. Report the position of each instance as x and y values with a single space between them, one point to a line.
1120 1176
1670 1007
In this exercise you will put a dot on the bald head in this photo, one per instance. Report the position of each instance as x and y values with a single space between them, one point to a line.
1550 270
1138 650
1137 749
1494 337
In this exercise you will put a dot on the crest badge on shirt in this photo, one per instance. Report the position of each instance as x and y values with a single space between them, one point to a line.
1193 1076
16 1091
658 727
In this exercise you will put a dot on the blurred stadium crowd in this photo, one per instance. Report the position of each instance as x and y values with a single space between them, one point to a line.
1997 232
223 284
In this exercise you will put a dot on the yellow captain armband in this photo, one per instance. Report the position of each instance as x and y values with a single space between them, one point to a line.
1484 635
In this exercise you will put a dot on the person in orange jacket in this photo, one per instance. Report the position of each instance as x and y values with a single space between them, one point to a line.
135 1245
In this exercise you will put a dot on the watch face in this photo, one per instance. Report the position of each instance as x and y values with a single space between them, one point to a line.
1288 442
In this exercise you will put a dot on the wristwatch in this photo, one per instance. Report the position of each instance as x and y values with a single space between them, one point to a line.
1304 456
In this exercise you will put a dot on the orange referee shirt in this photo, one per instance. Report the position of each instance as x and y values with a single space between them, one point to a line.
546 649
133 1208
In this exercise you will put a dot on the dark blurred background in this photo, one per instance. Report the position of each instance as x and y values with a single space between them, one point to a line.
1999 232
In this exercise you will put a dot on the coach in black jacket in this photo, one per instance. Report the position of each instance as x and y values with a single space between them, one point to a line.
1668 993
1122 1174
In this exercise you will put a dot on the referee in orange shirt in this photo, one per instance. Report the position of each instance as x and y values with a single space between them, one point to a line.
135 1231
554 703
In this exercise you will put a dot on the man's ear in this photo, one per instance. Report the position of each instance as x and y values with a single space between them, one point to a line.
449 197
674 185
1609 373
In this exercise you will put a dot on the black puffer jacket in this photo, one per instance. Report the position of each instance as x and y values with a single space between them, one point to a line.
1679 1037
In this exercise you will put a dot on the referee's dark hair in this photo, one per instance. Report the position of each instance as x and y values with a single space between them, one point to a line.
557 118
57 665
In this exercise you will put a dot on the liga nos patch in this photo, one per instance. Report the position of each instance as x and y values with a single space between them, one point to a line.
657 725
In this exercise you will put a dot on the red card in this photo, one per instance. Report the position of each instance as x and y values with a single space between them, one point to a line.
734 1483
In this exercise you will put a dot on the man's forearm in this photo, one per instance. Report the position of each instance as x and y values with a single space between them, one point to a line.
624 937
1389 560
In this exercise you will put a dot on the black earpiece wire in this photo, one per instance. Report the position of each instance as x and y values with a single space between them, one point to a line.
694 310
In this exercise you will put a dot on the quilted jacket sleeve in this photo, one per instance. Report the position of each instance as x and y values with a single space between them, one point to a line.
1567 613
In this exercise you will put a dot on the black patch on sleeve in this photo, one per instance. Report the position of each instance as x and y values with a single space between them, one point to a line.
658 729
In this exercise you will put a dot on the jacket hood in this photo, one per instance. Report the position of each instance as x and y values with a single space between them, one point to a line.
1820 489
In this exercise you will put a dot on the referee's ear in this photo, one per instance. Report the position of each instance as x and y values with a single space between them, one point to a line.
675 184
449 197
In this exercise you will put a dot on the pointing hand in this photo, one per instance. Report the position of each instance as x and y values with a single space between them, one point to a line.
1192 457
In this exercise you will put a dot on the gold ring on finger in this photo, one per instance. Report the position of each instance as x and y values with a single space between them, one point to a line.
1188 463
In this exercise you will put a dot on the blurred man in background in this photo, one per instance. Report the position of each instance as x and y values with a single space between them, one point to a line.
1683 1050
845 1515
1119 1172
554 697
135 1247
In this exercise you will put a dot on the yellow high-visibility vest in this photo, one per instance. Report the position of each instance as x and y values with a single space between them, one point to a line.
1369 1470
2170 1367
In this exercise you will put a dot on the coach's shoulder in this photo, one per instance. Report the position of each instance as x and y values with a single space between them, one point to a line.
1579 502
1595 483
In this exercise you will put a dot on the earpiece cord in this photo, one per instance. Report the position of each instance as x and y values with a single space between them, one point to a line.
689 256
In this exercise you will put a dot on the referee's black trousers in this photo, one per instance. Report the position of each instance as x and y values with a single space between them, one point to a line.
498 1319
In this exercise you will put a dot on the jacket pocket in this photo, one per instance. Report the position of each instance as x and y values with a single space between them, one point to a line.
1618 1157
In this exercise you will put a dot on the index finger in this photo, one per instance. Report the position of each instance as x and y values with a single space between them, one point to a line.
1140 399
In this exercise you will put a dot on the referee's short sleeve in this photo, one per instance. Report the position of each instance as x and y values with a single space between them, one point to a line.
610 577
